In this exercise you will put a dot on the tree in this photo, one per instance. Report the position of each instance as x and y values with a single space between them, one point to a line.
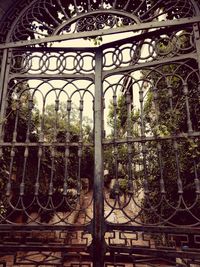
123 121
41 170
172 110
74 132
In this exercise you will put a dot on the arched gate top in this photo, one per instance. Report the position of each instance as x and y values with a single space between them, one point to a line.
42 18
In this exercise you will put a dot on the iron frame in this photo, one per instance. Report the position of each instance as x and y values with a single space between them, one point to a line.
98 227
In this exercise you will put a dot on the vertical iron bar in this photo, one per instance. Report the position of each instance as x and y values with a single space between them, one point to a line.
186 94
197 41
143 143
80 146
179 181
3 89
2 74
159 146
5 67
98 233
115 147
129 145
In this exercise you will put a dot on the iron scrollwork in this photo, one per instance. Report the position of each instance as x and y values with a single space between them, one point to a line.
116 122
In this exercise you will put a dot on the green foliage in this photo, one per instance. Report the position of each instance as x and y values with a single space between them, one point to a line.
118 118
121 113
118 121
124 185
167 116
29 119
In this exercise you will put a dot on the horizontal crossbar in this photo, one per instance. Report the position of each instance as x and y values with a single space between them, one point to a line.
73 36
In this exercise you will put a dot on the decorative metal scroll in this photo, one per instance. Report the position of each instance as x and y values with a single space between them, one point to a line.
136 101
46 139
43 18
154 145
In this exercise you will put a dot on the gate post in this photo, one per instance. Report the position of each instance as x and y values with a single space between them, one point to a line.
98 233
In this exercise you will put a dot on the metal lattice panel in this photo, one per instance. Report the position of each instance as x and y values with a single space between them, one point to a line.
99 145
61 17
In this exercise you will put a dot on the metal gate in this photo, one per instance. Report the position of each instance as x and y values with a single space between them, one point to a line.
99 135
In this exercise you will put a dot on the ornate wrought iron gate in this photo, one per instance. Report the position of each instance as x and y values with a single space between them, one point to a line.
99 144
